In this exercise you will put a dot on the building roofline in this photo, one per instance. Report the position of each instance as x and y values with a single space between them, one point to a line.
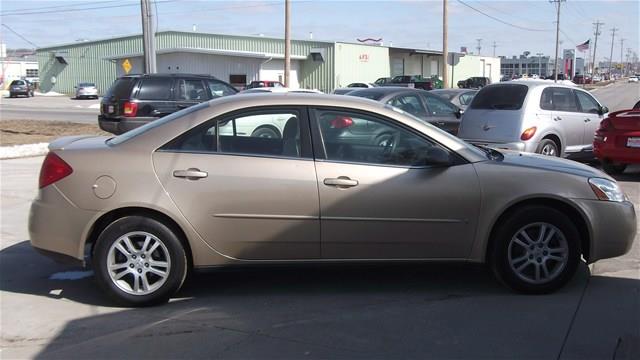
250 54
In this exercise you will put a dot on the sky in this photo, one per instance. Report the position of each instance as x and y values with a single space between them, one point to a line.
515 26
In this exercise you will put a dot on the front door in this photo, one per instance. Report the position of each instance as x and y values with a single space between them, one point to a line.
249 197
590 111
190 92
384 200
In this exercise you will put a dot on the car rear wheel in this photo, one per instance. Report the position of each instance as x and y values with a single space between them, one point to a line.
139 261
535 250
548 147
613 169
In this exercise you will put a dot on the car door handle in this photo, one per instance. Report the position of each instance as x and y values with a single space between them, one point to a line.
557 118
190 174
341 182
587 120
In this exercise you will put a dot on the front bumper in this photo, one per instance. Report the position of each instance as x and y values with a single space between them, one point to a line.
613 227
57 227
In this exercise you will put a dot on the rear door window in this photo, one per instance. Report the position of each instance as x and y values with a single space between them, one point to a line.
409 103
191 90
558 99
500 97
155 89
439 107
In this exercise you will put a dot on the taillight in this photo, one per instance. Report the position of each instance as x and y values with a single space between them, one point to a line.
528 134
606 124
341 122
53 169
130 109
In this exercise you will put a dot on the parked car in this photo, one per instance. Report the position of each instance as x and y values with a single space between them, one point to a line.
475 82
264 83
86 90
198 198
617 142
582 79
596 78
411 81
382 81
560 77
533 116
20 87
343 91
632 79
458 97
361 85
281 90
417 102
135 100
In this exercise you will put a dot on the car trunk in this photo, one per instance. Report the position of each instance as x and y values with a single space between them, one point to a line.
626 121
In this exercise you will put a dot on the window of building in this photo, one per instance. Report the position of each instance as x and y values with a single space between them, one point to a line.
238 80
31 73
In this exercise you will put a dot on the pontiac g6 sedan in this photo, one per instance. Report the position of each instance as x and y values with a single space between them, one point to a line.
349 180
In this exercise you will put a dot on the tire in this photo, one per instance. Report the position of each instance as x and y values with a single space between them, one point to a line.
522 268
548 147
266 132
163 265
613 169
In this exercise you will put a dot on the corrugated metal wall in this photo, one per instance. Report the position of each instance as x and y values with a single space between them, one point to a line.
88 61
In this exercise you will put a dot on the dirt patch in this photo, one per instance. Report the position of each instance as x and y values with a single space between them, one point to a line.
17 132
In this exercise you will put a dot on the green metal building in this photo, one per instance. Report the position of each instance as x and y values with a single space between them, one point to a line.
236 59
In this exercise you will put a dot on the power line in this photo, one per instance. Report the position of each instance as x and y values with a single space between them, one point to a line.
80 9
499 20
60 6
20 36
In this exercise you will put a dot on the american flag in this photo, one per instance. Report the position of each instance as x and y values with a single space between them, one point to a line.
584 46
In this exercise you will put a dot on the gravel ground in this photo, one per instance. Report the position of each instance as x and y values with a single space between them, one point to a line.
15 132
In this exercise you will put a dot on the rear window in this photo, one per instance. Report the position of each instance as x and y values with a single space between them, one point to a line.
121 88
155 89
18 82
86 85
373 95
500 97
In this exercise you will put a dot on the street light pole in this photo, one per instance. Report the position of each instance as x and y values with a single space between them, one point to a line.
148 37
613 36
287 42
595 44
445 45
539 64
555 60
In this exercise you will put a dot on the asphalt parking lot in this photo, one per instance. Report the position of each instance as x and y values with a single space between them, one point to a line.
392 311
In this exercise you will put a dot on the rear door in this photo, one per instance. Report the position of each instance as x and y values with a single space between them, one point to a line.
590 110
411 103
155 97
566 115
248 197
189 92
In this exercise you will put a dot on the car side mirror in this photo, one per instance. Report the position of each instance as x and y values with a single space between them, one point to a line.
437 156
603 110
458 113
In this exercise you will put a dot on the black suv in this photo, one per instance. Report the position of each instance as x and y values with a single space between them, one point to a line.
135 100
475 82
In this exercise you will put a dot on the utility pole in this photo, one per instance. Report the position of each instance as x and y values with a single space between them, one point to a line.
494 48
287 42
445 50
613 36
148 37
595 45
555 59
479 47
622 56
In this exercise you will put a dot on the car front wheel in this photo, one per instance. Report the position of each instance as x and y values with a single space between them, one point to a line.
139 261
535 250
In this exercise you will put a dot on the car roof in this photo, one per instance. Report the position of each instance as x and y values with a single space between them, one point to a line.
532 84
452 90
386 90
159 75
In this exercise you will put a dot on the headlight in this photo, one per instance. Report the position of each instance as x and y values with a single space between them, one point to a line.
606 190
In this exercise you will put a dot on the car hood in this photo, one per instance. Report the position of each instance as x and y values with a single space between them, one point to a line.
549 163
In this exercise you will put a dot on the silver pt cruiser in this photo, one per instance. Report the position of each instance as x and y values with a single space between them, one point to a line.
349 180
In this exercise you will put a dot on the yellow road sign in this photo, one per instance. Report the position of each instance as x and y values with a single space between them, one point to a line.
126 66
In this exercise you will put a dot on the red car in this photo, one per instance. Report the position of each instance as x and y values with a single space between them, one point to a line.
617 141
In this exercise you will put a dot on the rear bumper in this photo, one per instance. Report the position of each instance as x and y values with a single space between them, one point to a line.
56 227
613 227
118 126
609 151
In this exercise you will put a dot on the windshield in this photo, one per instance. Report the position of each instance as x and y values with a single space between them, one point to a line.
154 124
